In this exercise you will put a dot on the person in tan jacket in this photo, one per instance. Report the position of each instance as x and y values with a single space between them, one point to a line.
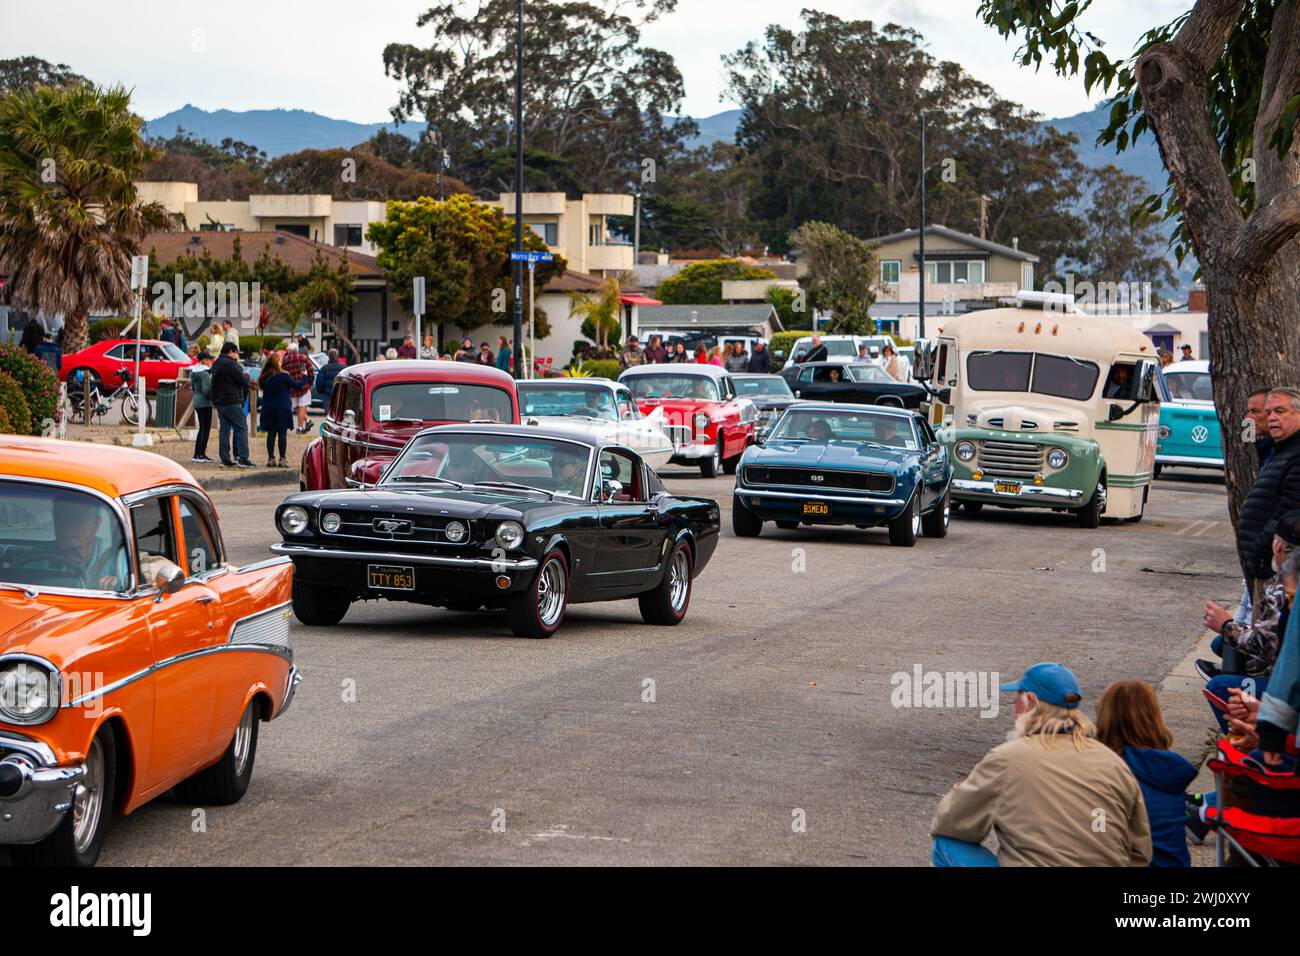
1053 793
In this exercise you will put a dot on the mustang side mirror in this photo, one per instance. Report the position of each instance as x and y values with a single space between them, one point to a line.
168 578
611 489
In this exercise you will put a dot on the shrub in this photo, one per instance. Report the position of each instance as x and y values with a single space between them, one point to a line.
784 342
602 368
37 383
250 346
112 328
17 416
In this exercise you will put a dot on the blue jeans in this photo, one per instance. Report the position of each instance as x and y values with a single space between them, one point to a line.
1218 686
233 421
945 851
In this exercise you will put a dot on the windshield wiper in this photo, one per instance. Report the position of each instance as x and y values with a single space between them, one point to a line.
514 485
445 481
415 421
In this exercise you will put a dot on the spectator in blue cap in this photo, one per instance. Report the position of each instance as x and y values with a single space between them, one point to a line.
1053 794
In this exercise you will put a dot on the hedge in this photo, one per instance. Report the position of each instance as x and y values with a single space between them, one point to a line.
602 368
15 416
37 383
101 329
250 346
784 342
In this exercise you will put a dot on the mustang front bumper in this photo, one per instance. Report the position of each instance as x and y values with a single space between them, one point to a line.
436 576
34 792
1029 493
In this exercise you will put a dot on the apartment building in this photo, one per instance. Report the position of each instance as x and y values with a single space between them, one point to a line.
579 229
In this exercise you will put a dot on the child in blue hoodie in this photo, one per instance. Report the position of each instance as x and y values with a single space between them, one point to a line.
1129 722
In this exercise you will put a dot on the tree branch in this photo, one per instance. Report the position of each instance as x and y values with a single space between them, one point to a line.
1206 30
1269 228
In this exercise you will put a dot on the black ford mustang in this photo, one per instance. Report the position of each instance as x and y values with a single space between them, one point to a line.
859 383
514 516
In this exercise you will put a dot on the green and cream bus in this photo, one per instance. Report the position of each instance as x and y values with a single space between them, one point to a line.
1041 406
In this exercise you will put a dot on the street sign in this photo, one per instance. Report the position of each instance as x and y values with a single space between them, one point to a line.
532 257
139 272
419 295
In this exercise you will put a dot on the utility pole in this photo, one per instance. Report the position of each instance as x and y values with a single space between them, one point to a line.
636 233
920 321
519 190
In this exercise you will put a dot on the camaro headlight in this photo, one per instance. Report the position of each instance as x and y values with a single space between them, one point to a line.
1057 458
331 523
510 535
29 694
293 520
455 532
965 450
701 422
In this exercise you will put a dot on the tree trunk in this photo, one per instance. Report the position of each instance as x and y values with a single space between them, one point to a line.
76 330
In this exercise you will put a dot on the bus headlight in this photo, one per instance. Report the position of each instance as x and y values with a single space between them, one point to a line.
1057 458
965 450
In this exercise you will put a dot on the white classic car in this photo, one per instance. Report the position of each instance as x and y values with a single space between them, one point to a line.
604 407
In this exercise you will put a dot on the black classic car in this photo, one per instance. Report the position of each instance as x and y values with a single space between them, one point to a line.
858 382
770 394
519 517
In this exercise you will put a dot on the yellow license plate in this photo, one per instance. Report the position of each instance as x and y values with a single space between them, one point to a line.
390 578
816 508
1007 487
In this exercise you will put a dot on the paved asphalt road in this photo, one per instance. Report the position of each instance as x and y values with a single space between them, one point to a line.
773 697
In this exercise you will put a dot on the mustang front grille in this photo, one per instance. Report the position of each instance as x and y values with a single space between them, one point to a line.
1010 459
409 529
868 481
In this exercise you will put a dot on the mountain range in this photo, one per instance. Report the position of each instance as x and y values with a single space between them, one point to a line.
280 131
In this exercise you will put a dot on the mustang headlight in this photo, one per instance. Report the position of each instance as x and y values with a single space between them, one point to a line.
455 532
510 535
701 423
331 523
965 451
293 520
29 694
1057 458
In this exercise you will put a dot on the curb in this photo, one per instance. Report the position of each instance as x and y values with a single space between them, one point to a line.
287 477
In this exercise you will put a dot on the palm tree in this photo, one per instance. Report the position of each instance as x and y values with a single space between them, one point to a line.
70 216
602 311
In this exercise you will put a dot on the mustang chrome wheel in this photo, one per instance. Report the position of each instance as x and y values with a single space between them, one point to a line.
88 802
679 583
244 739
550 594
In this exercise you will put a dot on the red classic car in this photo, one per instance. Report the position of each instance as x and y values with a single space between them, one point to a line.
376 408
702 398
103 360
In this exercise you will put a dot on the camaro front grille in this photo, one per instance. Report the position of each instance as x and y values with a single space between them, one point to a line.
868 481
1010 459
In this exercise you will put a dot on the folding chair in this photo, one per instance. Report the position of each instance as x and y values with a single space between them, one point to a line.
1266 833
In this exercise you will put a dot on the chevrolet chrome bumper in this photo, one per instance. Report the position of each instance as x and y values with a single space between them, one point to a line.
35 793
693 452
1028 492
497 565
812 495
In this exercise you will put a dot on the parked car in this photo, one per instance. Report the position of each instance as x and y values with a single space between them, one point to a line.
134 657
604 407
103 361
770 394
376 407
837 346
524 517
859 465
701 398
856 382
1189 435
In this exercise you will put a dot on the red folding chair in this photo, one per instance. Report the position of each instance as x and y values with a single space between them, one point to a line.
1266 834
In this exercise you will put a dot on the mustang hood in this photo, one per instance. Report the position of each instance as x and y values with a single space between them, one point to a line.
836 454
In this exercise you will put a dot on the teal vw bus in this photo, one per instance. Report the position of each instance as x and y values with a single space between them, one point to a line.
1189 424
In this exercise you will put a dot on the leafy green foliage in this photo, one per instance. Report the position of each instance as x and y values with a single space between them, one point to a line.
701 283
602 368
601 313
24 72
15 415
841 275
113 328
38 384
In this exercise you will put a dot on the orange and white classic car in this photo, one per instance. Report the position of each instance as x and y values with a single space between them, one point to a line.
134 658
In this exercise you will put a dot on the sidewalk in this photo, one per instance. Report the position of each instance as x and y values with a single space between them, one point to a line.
179 447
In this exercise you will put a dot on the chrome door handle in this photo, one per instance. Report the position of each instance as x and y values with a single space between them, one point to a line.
205 599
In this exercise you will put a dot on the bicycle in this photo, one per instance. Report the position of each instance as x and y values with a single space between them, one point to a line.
100 402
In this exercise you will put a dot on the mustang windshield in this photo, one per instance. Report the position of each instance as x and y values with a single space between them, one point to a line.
468 459
773 386
579 402
58 538
440 402
825 425
669 385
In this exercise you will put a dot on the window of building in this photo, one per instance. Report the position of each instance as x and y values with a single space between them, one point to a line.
955 270
595 234
216 227
348 234
295 229
890 270
1027 277
546 231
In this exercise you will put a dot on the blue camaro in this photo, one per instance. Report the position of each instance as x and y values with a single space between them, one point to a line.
861 465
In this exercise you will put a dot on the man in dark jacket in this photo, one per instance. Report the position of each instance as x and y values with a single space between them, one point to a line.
760 359
816 351
1276 490
328 372
229 390
1255 412
172 333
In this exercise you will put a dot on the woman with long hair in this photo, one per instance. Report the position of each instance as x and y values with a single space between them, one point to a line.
715 355
1129 722
890 363
277 408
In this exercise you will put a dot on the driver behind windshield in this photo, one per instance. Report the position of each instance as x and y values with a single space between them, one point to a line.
887 432
819 430
601 405
78 547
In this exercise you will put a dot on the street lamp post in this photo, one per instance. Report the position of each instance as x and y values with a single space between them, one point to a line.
920 323
519 189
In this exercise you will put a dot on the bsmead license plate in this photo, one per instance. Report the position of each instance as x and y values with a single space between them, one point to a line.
816 508
390 577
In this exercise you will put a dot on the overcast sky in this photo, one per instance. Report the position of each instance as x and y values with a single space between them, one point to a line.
326 55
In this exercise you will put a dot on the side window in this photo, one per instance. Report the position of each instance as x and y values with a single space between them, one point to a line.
626 407
202 551
806 374
623 468
927 434
117 352
352 403
155 540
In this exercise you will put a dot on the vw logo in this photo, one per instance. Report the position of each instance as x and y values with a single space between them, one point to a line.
1199 434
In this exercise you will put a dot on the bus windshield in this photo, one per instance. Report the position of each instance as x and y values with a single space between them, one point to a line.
1057 375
